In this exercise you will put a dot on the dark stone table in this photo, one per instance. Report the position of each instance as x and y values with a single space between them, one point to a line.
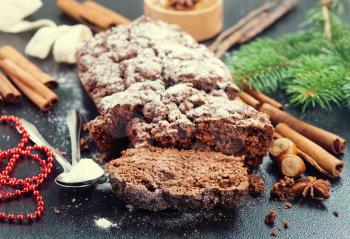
80 209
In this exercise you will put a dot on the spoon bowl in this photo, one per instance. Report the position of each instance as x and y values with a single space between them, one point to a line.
79 167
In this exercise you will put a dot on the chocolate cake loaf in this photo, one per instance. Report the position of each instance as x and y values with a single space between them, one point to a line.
158 179
155 85
148 50
182 117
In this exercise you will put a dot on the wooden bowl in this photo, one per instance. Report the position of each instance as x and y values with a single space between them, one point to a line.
202 24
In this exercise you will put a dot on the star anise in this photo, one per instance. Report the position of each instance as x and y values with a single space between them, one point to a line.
182 4
311 187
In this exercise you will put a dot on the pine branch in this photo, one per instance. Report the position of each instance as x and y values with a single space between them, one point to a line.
347 93
314 82
312 69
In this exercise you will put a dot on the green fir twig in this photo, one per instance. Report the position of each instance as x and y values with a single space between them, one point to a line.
312 66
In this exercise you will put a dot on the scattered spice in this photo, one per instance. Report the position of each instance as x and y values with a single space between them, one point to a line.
288 205
336 213
280 188
285 224
270 217
256 185
182 4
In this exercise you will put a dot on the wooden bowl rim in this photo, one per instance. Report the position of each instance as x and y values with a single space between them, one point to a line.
158 8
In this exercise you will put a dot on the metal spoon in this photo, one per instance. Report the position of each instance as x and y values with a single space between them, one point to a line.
73 121
38 139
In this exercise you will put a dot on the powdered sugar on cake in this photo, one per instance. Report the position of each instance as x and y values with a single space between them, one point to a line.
148 50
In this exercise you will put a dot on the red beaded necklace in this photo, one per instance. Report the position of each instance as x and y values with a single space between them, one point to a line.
23 186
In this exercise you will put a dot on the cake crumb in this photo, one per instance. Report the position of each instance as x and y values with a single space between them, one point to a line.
270 217
288 205
256 185
274 232
285 224
336 213
84 144
56 210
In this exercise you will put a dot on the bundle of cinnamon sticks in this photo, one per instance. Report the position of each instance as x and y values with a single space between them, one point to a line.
92 14
251 25
315 145
27 77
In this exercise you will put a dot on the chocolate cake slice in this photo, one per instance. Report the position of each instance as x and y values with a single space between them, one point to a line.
157 179
181 117
148 50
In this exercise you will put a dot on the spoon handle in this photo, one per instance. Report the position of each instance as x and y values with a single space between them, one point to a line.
38 139
73 121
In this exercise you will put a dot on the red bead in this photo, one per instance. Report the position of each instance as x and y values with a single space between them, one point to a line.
20 217
39 198
11 217
31 216
29 184
38 213
20 181
41 208
9 195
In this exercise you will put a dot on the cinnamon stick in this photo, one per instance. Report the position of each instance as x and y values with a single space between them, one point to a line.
116 18
249 100
251 26
323 161
282 9
82 14
262 97
241 23
237 36
8 52
8 92
327 140
42 103
37 88
97 17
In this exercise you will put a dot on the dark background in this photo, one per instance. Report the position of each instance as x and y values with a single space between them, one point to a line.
80 209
